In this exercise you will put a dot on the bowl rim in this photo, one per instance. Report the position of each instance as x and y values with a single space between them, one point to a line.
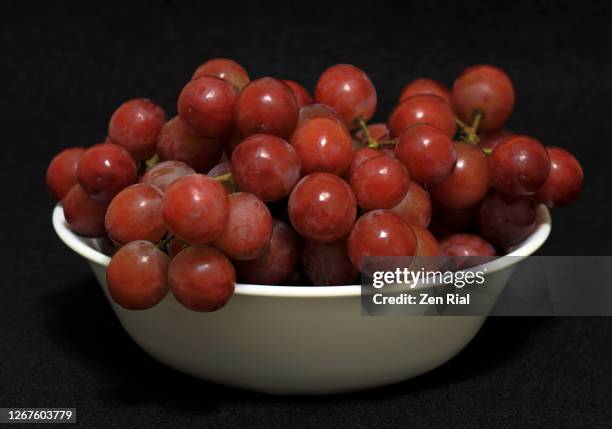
532 243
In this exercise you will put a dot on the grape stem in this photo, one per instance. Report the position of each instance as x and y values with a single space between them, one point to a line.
163 243
469 134
366 133
154 160
227 177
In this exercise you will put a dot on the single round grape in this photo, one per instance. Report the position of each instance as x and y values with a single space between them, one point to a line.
226 69
195 209
519 165
104 170
359 156
485 88
505 220
201 278
166 173
564 182
323 144
61 173
137 275
492 139
380 233
427 245
469 181
276 262
315 111
378 132
207 105
466 245
428 153
267 105
84 215
248 228
179 142
425 86
328 264
136 214
380 183
415 207
266 166
423 108
322 207
349 91
302 96
135 126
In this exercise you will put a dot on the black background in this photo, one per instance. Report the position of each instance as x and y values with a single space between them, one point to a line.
66 66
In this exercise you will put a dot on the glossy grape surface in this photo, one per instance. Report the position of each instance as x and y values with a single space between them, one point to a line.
425 86
423 108
165 173
564 182
415 207
84 215
380 183
328 264
466 245
315 111
302 96
427 245
61 173
226 69
504 220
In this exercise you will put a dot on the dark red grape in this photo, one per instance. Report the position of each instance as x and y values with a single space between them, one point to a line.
137 275
328 264
425 86
428 153
380 233
466 245
469 181
165 173
505 220
174 246
427 245
207 105
195 209
492 139
485 88
322 207
226 69
276 262
415 207
315 111
423 108
84 215
135 126
136 214
179 142
104 170
266 166
248 228
359 156
267 105
201 278
380 183
564 182
302 97
323 144
61 173
349 91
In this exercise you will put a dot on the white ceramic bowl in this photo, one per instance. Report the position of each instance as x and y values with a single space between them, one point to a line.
297 340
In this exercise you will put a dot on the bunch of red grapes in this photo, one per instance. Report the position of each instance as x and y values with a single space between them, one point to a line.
261 181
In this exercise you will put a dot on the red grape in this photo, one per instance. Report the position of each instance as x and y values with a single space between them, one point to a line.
380 233
469 181
165 173
466 245
230 143
61 173
179 142
226 69
220 170
195 209
564 182
328 264
349 91
380 183
207 105
137 275
428 153
425 86
427 245
174 246
423 108
84 214
266 166
135 126
505 220
248 228
359 156
201 278
104 170
323 144
415 207
492 139
302 97
485 88
322 207
276 262
136 214
267 105
315 111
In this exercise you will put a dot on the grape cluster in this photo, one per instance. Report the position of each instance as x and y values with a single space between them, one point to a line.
260 181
